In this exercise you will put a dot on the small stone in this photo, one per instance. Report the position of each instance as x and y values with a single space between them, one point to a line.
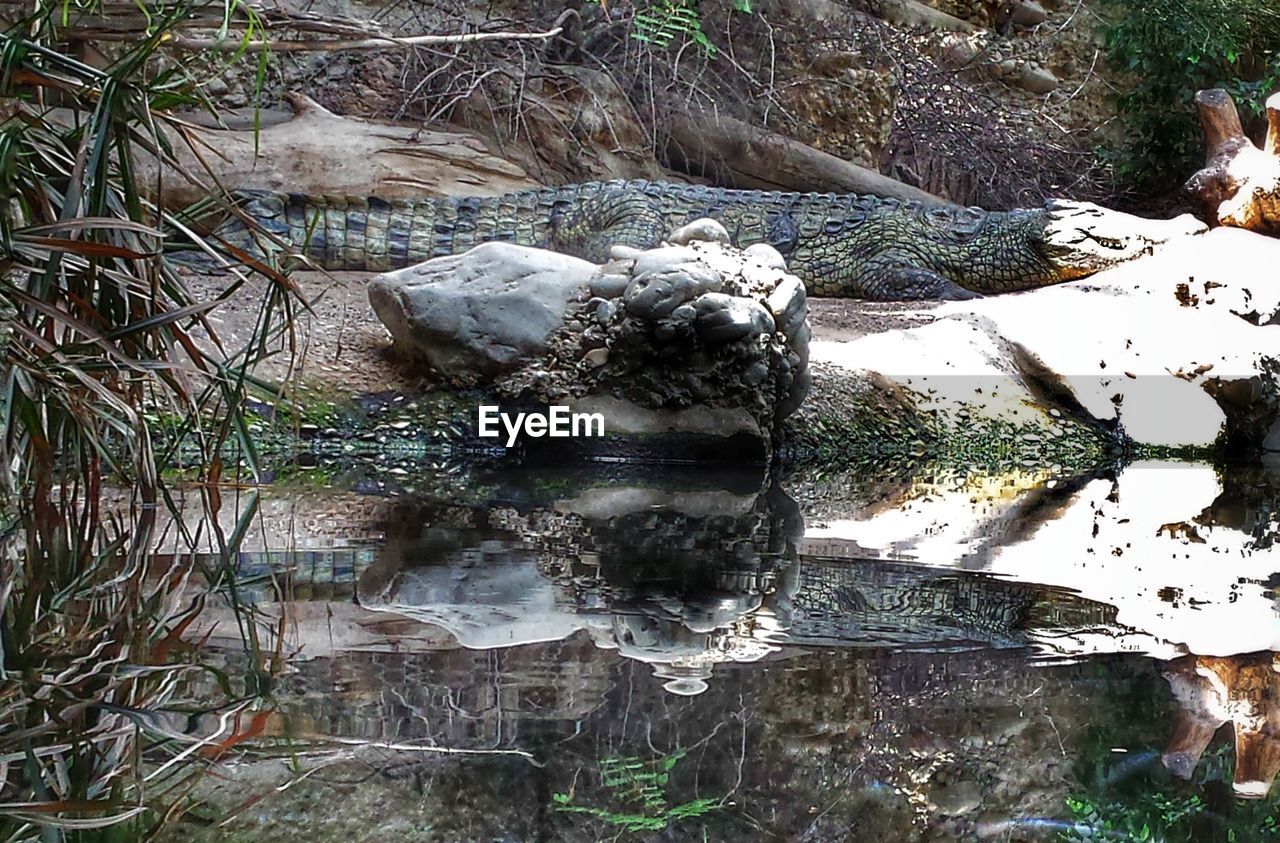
755 374
957 799
723 319
653 294
788 304
596 357
1036 79
608 285
605 311
958 49
624 253
766 255
1028 13
664 259
703 231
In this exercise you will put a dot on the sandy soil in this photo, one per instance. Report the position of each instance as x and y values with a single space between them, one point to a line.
342 348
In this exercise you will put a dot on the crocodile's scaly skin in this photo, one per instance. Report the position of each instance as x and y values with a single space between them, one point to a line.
840 245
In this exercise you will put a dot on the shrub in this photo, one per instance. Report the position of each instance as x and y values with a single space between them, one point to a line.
1169 49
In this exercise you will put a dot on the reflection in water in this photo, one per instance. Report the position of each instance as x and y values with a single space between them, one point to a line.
683 590
1243 691
556 657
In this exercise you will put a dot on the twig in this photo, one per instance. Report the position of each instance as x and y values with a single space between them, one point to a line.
382 42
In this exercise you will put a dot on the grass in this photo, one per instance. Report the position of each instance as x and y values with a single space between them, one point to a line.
100 334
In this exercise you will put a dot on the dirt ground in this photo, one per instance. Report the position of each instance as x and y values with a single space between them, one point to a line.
342 348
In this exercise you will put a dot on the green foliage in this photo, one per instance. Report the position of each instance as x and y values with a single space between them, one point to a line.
640 788
108 364
103 328
1169 49
1131 796
662 22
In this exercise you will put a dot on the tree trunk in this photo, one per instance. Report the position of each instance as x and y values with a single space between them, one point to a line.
318 152
1240 183
735 153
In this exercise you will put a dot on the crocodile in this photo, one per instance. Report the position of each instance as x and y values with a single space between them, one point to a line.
840 245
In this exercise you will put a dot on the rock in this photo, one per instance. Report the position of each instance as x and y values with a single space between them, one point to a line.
1036 79
673 336
767 256
608 285
624 253
957 799
724 319
701 230
788 304
1029 13
485 311
659 287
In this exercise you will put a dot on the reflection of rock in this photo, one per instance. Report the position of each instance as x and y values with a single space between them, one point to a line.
1242 690
681 589
690 585
1174 591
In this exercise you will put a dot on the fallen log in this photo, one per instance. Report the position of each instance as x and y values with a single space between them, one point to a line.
740 155
912 14
318 152
1240 183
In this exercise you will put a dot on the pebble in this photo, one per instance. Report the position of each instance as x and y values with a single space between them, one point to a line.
957 799
1037 79
703 230
608 285
596 357
605 311
766 255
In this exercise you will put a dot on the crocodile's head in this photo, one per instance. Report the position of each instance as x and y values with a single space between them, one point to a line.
1080 238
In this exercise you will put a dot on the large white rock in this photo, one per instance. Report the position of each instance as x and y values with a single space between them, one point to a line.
1174 346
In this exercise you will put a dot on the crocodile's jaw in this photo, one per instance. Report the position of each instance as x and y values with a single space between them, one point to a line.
1080 238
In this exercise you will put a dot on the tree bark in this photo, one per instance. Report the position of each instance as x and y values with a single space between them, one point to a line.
318 152
740 155
1240 183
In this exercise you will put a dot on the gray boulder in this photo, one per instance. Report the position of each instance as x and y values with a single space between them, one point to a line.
481 313
668 339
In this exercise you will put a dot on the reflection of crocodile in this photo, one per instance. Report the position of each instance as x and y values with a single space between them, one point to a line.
841 245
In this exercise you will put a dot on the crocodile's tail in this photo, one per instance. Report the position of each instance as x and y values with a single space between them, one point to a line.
371 234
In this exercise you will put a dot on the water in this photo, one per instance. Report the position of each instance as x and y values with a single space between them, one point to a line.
628 653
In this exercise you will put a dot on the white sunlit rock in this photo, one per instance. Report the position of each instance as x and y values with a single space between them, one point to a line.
1178 586
1175 346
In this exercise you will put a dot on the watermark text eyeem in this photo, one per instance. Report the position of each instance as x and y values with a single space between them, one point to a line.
557 422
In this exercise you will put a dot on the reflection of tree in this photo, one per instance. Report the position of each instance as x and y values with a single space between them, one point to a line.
1198 792
1242 690
1249 502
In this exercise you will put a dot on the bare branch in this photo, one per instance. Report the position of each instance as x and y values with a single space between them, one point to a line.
379 42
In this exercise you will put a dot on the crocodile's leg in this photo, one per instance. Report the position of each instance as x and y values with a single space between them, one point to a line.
612 218
897 276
